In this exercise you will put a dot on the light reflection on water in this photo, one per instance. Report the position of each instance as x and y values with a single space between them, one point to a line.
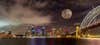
50 41
89 41
23 41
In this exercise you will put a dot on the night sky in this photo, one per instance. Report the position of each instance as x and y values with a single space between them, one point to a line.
44 12
54 7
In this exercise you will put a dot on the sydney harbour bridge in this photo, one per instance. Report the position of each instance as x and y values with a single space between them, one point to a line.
90 24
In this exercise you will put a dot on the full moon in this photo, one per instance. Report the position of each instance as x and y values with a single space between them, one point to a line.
66 14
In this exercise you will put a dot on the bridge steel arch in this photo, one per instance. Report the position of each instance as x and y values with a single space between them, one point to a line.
90 17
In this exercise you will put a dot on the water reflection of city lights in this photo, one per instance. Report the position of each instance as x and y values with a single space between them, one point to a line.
91 38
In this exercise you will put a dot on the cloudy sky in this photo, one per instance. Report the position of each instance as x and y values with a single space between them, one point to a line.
40 12
49 9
